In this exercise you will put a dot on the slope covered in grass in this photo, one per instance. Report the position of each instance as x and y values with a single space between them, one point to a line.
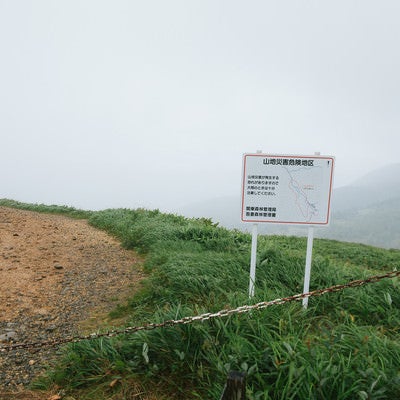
344 346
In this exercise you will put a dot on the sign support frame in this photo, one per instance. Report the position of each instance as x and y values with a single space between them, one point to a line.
307 270
253 258
310 239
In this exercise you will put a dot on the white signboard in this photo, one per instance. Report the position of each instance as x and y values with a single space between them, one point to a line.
287 189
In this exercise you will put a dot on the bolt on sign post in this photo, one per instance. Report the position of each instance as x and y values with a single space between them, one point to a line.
286 189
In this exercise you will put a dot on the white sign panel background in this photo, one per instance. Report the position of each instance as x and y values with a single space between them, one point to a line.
287 189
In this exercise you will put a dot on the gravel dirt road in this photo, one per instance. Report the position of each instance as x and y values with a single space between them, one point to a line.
58 277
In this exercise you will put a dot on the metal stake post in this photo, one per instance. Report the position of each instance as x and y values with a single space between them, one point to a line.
254 235
307 272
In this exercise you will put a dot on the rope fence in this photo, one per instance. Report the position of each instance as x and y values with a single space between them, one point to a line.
199 318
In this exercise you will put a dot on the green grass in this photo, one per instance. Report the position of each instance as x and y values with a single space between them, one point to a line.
344 346
49 209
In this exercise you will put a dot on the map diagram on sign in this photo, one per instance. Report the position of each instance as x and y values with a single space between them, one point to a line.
303 192
287 189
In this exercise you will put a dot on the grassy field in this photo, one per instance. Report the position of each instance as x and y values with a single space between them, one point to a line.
344 346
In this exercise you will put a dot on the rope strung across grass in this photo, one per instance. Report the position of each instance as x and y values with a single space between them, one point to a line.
199 318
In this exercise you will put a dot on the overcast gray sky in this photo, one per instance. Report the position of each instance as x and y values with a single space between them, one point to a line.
152 103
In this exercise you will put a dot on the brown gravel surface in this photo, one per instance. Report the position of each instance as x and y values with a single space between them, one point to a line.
58 277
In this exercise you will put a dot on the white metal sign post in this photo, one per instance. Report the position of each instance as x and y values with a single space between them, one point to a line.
253 259
286 189
307 271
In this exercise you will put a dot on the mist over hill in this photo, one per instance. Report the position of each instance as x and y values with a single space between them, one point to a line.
375 187
367 211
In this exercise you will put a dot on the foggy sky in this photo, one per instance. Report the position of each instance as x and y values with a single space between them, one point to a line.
152 103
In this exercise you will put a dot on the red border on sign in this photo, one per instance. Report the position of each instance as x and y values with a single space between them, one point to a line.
332 159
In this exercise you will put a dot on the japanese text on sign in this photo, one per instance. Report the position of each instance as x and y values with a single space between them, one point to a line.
286 189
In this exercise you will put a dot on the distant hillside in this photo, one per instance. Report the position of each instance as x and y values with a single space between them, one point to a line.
376 187
367 211
377 224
